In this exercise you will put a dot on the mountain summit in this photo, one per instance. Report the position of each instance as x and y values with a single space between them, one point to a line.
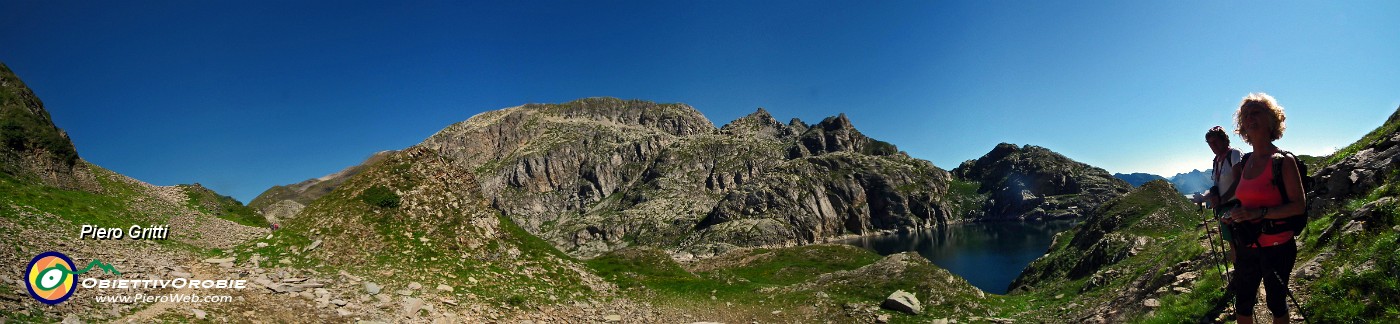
1031 182
597 174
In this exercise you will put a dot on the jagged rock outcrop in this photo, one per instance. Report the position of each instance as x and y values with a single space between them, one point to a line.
597 174
31 146
836 134
809 199
1031 182
1374 162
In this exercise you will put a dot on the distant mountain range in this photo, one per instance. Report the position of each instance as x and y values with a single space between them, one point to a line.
1186 183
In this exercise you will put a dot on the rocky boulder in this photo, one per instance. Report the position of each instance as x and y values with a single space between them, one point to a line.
901 301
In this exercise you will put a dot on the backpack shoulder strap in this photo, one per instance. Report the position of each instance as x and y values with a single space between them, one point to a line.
1278 173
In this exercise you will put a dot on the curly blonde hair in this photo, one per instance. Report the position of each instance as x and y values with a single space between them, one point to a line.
1260 100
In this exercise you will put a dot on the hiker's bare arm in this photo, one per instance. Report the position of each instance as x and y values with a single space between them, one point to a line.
1293 185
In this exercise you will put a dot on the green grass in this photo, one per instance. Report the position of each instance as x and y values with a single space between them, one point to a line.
1364 275
654 271
1205 297
380 196
221 206
963 196
75 206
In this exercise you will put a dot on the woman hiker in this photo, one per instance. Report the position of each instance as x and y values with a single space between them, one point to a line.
1266 257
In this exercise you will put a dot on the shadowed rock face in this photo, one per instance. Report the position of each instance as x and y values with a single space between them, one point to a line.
836 194
597 174
31 146
1032 182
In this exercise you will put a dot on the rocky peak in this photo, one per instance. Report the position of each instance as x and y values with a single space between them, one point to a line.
759 123
836 134
1030 182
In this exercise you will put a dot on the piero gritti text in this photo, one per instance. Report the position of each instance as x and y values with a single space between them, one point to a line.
135 232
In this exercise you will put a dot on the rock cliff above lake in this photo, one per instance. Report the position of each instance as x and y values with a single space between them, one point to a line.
1032 182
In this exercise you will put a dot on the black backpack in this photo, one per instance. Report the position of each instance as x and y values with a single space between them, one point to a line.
1295 223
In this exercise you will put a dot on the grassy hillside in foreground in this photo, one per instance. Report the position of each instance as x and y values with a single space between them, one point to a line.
1348 265
811 283
1146 245
400 221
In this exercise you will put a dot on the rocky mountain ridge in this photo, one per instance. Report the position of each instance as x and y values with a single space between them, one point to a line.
1032 182
1196 181
1137 178
601 173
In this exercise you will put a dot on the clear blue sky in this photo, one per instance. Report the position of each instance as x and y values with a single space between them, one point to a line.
244 95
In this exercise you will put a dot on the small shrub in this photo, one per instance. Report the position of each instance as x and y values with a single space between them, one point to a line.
880 148
380 196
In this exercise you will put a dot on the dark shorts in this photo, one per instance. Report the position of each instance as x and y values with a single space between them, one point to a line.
1271 265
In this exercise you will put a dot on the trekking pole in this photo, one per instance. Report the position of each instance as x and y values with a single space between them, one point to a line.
1215 252
1290 296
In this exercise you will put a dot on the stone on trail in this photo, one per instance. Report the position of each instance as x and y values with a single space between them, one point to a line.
313 246
902 301
217 261
411 306
372 288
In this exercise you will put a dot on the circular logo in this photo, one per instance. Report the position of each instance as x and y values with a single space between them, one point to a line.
51 278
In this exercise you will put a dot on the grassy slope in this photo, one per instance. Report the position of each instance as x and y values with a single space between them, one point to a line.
212 203
436 236
811 283
1359 276
1092 264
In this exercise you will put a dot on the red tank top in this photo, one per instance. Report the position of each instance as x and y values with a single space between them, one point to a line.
1260 192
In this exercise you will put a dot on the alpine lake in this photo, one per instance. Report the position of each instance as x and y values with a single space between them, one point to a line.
988 254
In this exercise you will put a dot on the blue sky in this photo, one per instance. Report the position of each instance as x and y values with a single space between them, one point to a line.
240 96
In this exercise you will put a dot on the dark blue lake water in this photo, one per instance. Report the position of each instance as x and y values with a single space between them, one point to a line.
988 255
